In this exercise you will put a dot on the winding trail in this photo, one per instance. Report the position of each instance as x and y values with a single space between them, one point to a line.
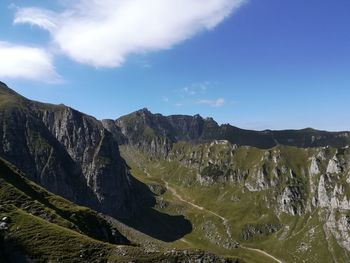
224 220
262 252
201 208
174 193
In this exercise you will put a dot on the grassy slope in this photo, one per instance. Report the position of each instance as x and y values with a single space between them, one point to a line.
46 227
158 174
240 208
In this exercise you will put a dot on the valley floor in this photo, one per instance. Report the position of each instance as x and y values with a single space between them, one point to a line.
179 202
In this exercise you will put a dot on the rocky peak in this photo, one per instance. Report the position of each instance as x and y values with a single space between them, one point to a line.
67 152
144 111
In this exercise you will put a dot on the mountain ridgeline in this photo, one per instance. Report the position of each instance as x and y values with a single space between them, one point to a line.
161 131
77 156
65 151
188 182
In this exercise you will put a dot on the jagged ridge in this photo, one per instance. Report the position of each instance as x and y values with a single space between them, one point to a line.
67 152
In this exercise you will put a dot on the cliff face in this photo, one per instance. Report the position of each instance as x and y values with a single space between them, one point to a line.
67 152
293 181
295 173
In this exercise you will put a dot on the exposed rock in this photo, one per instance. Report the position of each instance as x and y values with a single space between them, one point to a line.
252 231
291 201
67 152
314 169
333 167
257 180
6 219
141 126
4 226
339 227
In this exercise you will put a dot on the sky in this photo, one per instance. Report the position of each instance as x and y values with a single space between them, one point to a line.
255 64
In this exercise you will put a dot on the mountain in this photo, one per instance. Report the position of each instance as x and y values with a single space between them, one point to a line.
160 131
169 185
270 192
65 151
37 226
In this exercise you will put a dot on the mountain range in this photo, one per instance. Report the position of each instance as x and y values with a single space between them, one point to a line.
168 188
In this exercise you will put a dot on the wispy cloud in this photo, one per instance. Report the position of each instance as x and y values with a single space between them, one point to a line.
25 62
213 103
103 33
193 95
195 88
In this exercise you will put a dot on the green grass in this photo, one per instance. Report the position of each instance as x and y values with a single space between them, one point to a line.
45 226
49 241
22 193
48 228
234 202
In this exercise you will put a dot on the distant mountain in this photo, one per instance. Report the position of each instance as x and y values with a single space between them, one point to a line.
158 131
284 192
172 182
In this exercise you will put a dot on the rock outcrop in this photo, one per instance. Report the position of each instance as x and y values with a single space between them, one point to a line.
158 133
67 152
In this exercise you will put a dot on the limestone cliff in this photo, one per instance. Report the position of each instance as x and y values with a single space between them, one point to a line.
67 152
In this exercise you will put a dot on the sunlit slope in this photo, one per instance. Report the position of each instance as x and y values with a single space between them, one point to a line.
248 214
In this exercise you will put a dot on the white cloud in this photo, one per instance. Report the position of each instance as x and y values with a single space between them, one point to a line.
213 103
103 33
195 88
165 99
26 62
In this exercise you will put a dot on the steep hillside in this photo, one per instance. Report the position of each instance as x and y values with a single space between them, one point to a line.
171 183
285 200
67 152
279 205
37 226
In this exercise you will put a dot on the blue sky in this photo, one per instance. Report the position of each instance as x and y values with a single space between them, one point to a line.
268 64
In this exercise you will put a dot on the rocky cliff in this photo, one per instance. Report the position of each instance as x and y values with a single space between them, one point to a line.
67 152
290 181
158 132
289 174
271 188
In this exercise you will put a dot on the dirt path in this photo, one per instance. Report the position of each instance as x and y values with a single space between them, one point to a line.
201 208
186 241
262 252
174 193
224 220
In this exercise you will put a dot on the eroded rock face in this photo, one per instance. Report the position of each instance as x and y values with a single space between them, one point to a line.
333 166
67 152
96 150
291 201
142 126
291 180
32 148
296 181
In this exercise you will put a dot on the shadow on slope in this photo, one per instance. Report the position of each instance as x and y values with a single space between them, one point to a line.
20 193
148 220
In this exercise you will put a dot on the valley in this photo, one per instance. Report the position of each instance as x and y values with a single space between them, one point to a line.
162 188
184 195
